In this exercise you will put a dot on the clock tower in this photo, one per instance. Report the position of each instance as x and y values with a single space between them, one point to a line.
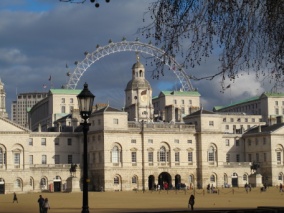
138 95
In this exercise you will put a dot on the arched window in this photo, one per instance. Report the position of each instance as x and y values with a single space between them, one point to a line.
225 178
245 177
116 180
162 157
212 178
2 157
115 155
31 181
134 179
43 182
211 154
280 176
18 183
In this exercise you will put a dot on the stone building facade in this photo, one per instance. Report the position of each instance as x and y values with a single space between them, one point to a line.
171 142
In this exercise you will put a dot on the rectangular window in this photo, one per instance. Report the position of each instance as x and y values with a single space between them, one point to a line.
116 181
56 159
31 143
276 111
256 141
175 101
278 155
69 141
70 159
62 100
264 141
276 103
63 109
249 158
227 142
133 140
56 141
232 119
227 127
189 157
211 123
115 121
211 156
71 100
257 157
133 157
150 157
182 101
176 156
150 140
189 141
264 157
238 158
227 158
43 141
176 140
31 159
190 102
43 159
237 142
2 157
246 120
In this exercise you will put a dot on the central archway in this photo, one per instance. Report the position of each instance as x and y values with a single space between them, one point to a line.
165 181
129 46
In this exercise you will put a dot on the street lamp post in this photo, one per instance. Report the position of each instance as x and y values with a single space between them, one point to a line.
85 102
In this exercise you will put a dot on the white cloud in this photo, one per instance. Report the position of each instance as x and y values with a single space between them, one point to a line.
39 41
13 56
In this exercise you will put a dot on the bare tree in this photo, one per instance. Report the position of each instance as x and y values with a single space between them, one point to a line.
249 34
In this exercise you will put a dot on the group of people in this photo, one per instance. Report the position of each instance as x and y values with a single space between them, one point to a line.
43 204
211 189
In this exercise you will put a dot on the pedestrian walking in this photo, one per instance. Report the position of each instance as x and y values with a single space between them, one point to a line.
191 202
15 198
281 187
40 203
46 205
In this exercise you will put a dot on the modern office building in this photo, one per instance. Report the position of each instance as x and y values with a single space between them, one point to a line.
21 107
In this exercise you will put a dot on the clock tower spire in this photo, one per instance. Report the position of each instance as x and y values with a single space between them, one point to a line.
138 94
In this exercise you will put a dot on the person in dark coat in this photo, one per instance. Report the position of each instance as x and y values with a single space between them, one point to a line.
40 203
15 198
191 202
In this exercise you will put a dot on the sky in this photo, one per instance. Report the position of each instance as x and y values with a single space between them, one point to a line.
40 37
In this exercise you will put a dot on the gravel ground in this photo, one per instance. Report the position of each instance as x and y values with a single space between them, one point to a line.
156 201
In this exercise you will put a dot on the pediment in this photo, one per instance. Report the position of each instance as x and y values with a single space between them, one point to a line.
8 126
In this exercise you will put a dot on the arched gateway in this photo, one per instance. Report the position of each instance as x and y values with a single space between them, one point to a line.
165 181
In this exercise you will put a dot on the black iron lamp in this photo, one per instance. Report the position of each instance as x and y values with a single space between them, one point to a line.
85 102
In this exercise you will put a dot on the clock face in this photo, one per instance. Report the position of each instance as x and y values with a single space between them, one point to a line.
143 98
